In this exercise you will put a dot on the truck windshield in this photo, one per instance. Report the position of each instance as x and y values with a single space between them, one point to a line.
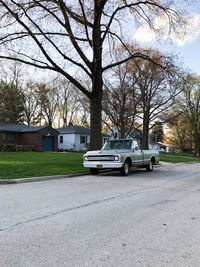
117 144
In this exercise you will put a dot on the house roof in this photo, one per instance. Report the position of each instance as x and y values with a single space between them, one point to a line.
132 133
74 129
20 128
162 145
135 133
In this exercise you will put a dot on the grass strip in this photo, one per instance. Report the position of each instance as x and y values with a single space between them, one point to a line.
34 164
177 158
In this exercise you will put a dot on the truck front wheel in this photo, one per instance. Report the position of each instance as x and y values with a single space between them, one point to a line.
125 169
149 167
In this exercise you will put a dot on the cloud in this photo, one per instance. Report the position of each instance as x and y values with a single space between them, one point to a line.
192 32
145 34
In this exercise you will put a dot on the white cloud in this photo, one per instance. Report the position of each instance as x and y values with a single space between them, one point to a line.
145 34
192 32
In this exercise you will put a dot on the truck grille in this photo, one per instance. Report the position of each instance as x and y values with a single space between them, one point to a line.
101 158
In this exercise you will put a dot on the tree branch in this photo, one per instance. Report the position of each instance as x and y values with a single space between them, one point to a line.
63 9
135 55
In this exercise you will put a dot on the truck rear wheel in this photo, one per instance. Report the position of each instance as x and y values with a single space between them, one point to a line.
125 169
94 171
149 167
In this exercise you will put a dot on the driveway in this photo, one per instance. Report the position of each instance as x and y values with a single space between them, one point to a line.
145 219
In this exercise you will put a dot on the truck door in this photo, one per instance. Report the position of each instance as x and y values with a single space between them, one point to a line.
138 156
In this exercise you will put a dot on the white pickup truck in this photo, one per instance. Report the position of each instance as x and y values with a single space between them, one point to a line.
120 154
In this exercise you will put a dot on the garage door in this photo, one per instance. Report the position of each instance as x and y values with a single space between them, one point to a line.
47 143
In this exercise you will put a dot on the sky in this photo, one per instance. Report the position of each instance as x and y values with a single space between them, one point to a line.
187 47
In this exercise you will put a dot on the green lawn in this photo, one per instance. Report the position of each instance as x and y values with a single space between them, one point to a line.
34 164
184 154
178 157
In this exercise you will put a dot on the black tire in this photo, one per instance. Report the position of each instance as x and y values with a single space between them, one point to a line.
125 169
149 167
94 171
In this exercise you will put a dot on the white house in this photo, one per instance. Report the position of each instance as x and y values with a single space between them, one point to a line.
133 133
153 145
75 138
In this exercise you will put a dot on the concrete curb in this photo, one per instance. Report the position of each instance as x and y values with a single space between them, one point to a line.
42 178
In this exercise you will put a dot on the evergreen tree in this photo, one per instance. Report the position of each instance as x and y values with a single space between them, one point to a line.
157 132
11 103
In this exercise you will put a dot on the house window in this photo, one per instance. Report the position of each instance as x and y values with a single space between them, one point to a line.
105 139
9 138
61 139
115 136
83 139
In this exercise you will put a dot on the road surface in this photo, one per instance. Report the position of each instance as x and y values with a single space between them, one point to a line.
145 219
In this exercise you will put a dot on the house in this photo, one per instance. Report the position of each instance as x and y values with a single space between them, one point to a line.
75 138
133 133
154 145
163 147
39 138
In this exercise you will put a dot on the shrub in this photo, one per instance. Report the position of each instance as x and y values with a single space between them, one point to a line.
10 148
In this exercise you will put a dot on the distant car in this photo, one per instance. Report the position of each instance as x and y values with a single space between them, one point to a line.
120 154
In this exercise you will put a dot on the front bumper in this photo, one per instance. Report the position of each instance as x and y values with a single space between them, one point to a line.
102 165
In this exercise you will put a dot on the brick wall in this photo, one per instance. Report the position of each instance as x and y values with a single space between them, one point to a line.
30 139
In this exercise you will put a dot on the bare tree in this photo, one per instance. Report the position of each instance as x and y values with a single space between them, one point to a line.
84 109
141 91
189 107
68 104
47 99
31 106
12 73
120 101
180 133
157 88
83 36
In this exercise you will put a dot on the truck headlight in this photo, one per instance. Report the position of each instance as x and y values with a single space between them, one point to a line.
116 158
85 158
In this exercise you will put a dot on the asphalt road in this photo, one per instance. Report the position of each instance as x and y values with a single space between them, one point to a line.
145 219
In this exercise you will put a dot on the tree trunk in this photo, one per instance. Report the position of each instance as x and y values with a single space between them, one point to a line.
145 132
122 131
197 143
97 81
95 120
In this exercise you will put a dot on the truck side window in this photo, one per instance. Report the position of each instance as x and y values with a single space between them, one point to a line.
135 144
